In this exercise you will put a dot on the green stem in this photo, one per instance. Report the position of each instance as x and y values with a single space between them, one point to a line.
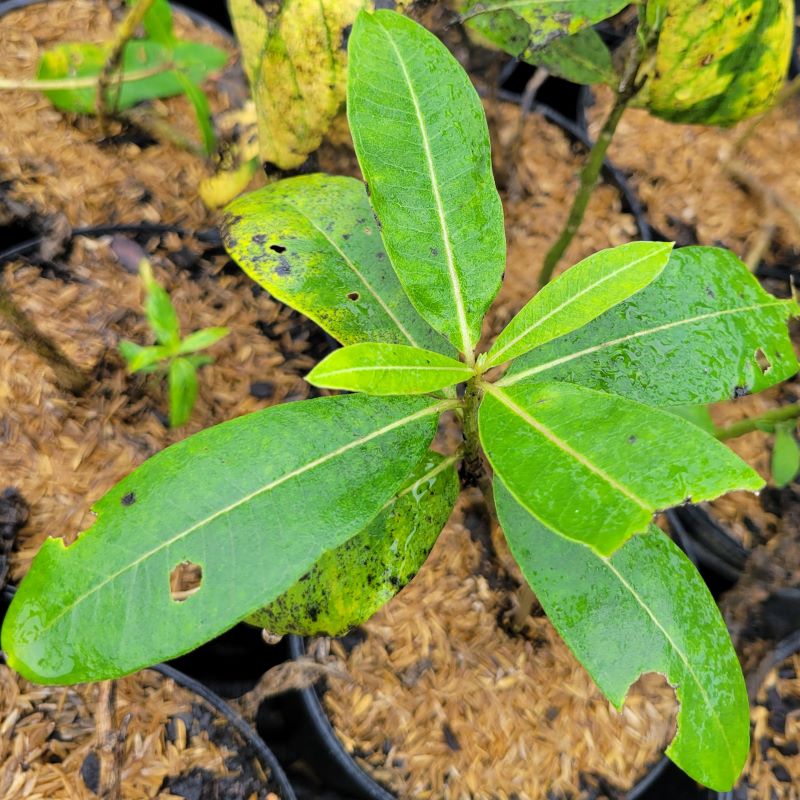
751 424
628 89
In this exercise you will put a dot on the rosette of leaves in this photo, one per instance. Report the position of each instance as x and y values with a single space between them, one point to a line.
309 515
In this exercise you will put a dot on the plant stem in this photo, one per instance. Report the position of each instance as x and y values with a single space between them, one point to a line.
125 32
755 423
68 375
627 90
87 82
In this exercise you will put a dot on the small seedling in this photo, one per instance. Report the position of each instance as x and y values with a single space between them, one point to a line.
306 517
177 357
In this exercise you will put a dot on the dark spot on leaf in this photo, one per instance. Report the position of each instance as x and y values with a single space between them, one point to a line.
632 439
345 236
184 580
276 248
763 361
395 581
740 391
434 251
284 267
353 296
260 238
710 292
345 36
380 256
706 60
129 499
313 613
450 738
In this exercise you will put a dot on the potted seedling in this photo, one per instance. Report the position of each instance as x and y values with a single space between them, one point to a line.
565 421
690 62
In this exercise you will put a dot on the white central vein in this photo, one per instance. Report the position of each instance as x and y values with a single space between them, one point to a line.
357 272
466 344
565 304
465 371
176 537
510 380
711 707
543 430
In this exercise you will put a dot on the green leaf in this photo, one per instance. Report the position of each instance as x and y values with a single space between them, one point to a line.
596 467
697 415
312 243
696 335
383 369
645 609
349 584
255 502
785 454
579 295
201 339
199 361
196 60
140 358
430 181
202 111
581 58
182 391
158 23
159 310
718 61
547 19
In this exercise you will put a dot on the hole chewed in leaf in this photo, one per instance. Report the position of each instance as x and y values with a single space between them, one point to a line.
353 296
184 580
277 248
764 364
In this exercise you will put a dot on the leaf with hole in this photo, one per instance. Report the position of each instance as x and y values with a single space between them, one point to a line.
596 467
547 20
384 369
785 463
580 295
703 331
644 609
718 61
349 584
196 60
316 473
312 242
441 217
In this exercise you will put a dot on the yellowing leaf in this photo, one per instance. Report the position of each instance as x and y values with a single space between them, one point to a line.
718 61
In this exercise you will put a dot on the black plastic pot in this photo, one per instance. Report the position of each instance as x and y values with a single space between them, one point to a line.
787 647
335 765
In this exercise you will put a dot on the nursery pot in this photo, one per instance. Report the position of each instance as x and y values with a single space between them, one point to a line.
335 765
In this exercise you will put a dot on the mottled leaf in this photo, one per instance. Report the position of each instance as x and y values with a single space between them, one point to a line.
644 609
295 56
580 295
312 243
349 584
785 454
194 59
595 467
383 369
546 19
700 333
423 147
718 61
182 391
254 502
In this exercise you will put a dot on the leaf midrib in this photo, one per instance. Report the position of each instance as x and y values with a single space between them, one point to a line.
510 380
466 343
566 303
465 371
542 429
434 409
709 705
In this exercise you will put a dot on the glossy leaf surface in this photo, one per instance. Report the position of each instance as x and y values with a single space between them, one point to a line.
254 502
430 181
384 369
596 467
644 609
349 584
312 242
694 336
546 19
718 61
194 59
295 57
579 295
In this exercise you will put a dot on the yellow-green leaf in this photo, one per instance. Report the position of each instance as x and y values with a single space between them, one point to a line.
718 61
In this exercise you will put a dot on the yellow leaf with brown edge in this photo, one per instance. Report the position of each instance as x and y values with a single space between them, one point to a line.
718 61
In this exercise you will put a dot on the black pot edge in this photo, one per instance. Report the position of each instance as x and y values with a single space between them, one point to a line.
782 650
355 779
234 719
